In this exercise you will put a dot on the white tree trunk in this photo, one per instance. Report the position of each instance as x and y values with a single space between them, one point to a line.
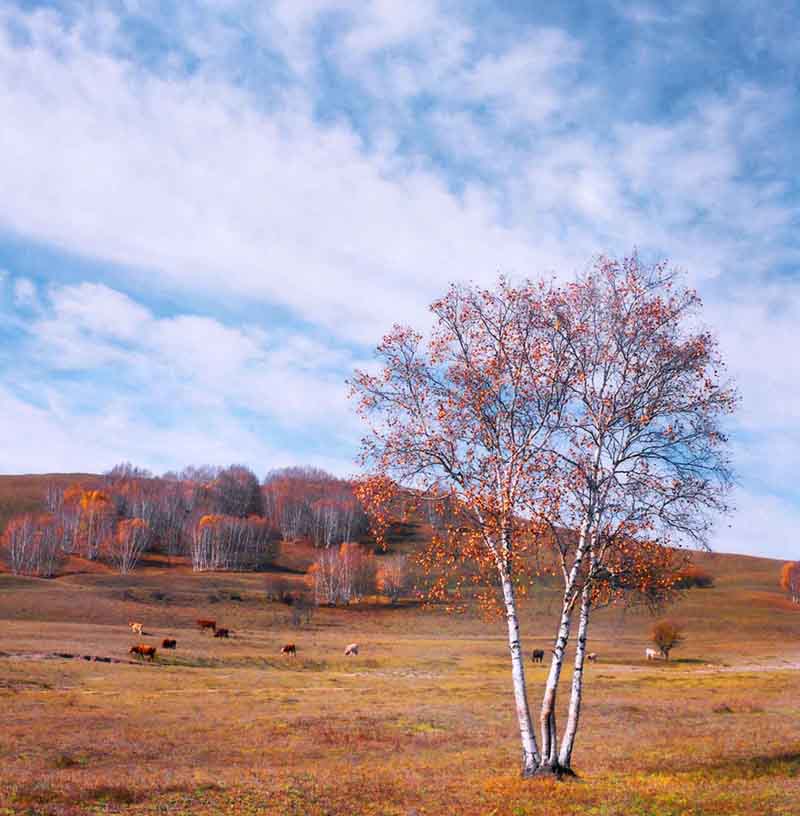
530 752
547 716
571 729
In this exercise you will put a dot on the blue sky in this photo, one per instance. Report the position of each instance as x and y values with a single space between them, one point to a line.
211 212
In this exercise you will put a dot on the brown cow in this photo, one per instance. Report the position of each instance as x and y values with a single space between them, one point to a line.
221 633
142 650
592 656
205 623
168 643
537 655
289 649
352 649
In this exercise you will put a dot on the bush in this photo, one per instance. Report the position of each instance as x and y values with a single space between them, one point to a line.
693 576
275 587
667 635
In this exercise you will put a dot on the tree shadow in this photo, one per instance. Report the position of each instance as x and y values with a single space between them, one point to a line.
783 763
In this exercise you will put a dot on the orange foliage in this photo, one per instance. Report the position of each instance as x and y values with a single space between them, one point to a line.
790 580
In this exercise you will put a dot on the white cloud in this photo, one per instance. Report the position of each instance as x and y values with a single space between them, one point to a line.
99 309
25 293
69 441
763 523
193 361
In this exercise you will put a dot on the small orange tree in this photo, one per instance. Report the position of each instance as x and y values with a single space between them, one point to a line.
667 635
790 580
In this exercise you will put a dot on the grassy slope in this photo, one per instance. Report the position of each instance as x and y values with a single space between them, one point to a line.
25 494
422 720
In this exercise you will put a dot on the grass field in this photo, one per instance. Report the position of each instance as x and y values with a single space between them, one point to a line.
421 722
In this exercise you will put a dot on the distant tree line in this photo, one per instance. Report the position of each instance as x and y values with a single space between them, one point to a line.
308 503
221 518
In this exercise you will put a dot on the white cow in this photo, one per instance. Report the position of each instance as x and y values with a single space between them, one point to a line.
592 656
352 649
651 654
136 627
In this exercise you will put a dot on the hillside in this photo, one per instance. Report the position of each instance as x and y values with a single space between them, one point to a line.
25 494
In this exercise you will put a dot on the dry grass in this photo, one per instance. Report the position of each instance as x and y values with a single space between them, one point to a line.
421 722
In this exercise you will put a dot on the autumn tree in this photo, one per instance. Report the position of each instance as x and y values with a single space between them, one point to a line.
128 543
790 580
667 635
641 460
96 522
394 577
64 505
238 493
343 575
583 417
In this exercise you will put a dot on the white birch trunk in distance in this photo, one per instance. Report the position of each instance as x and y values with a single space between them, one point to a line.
530 753
573 716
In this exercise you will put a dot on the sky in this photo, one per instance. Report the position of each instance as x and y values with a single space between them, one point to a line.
211 212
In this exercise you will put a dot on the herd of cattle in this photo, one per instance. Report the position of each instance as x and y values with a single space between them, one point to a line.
537 655
142 650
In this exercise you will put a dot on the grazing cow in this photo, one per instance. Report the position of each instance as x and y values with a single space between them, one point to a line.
289 649
537 656
169 643
143 650
592 656
352 649
651 654
136 627
205 623
221 633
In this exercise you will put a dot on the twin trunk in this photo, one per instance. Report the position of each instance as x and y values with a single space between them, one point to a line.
551 760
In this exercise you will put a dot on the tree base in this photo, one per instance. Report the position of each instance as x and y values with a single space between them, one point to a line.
557 773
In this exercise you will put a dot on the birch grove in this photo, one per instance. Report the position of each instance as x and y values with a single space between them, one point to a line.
585 418
32 545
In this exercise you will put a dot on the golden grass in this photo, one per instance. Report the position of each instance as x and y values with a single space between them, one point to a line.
420 722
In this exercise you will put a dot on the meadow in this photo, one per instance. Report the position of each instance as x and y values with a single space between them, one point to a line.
421 722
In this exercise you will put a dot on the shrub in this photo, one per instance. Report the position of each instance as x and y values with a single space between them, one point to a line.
667 635
275 587
694 576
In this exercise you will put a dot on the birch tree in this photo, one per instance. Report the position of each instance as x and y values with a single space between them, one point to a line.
641 459
472 410
592 411
126 546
